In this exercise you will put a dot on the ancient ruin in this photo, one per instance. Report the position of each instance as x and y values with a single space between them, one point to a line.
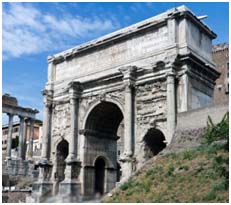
19 165
112 103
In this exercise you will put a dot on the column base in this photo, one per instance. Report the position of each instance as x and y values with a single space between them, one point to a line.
69 190
41 191
127 166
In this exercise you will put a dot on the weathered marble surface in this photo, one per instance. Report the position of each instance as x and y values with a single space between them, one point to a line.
146 73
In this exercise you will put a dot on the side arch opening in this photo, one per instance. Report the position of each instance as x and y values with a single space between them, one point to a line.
154 142
62 152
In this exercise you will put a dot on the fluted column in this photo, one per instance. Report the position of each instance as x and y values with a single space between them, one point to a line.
31 137
126 158
46 127
171 105
74 94
21 140
9 139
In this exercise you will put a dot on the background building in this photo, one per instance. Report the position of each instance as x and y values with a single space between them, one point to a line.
36 139
221 58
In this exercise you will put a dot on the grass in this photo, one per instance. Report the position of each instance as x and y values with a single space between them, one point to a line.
190 176
197 175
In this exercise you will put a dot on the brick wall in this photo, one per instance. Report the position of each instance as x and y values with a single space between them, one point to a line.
221 59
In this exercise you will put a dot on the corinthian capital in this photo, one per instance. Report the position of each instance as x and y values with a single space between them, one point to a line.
75 89
47 97
129 72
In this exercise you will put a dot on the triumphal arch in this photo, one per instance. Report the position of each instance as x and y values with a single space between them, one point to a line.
111 103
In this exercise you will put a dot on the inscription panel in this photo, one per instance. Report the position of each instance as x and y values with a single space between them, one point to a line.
113 55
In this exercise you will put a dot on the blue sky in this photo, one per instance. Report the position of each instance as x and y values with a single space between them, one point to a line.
32 31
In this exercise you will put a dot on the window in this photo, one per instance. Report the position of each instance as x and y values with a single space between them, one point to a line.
16 129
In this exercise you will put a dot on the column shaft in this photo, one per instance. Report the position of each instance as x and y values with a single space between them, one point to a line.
24 140
128 119
74 93
185 93
46 131
9 139
74 129
31 137
21 140
171 106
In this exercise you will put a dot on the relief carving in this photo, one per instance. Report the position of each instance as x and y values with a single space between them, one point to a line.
61 121
151 102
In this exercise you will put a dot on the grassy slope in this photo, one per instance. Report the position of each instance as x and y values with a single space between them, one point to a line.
190 176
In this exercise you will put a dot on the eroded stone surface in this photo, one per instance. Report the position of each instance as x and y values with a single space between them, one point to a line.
126 83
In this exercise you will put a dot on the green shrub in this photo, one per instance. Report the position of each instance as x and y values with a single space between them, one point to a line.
217 132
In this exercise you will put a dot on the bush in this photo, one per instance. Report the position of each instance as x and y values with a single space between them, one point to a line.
220 163
217 132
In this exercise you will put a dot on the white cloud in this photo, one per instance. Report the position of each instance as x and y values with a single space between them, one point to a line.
28 30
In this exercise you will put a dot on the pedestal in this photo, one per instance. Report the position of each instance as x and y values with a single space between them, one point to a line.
70 188
70 191
41 191
43 187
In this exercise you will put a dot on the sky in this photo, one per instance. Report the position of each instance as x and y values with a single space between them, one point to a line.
32 31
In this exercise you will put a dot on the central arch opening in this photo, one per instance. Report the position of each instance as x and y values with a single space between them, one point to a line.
103 125
99 176
105 118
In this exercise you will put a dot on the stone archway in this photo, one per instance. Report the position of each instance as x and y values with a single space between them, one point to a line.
154 141
100 175
62 152
100 132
